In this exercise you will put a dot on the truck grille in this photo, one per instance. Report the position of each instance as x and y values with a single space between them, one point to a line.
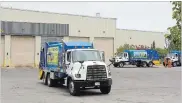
96 72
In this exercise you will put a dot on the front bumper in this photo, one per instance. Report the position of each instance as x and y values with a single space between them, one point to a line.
107 82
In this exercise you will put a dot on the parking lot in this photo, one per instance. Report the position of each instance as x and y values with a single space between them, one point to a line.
130 85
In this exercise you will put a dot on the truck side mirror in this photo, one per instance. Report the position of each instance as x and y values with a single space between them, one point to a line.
102 53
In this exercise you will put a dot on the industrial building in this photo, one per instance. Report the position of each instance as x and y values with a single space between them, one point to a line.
136 37
25 31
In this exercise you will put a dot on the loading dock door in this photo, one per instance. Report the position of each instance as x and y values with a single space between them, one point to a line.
22 50
106 45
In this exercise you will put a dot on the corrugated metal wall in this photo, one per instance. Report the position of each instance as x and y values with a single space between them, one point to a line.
42 29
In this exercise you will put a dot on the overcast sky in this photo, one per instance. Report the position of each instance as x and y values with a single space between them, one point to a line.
149 16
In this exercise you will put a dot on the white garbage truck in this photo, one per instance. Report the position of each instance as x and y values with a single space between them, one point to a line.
76 65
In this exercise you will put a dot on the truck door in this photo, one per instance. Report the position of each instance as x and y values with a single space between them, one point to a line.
68 59
125 56
102 53
68 62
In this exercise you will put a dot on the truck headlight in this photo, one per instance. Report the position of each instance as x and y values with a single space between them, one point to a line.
109 72
78 75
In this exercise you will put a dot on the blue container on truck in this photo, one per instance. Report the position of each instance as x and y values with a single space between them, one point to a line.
76 65
140 58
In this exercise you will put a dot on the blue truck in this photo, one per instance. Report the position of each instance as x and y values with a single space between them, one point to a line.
175 57
76 65
140 58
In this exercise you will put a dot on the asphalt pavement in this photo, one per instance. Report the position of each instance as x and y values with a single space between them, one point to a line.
130 85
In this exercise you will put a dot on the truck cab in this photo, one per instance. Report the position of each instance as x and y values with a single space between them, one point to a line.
79 62
175 57
123 56
80 67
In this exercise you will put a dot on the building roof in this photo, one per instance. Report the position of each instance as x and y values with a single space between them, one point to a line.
10 8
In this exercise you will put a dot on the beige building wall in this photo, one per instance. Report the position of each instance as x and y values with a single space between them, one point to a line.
78 25
7 50
84 39
2 50
37 50
139 38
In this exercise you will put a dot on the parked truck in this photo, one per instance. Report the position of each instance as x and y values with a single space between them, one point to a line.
140 58
175 57
76 65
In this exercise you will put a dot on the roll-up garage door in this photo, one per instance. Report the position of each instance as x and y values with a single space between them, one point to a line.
84 39
106 45
2 50
22 50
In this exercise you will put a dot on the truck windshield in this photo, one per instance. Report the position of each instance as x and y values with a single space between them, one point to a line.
86 55
120 54
170 55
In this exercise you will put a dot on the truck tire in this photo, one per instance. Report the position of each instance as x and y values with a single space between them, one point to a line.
44 79
150 64
115 65
163 64
50 82
174 64
138 65
144 64
121 64
105 89
73 89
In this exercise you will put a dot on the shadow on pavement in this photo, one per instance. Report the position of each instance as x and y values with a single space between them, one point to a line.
85 92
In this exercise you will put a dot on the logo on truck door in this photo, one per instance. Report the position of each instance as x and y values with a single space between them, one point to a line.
52 56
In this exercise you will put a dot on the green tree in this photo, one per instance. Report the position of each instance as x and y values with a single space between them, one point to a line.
175 31
153 45
125 47
161 52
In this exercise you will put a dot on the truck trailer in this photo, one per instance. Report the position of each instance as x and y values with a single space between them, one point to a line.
175 57
76 65
140 58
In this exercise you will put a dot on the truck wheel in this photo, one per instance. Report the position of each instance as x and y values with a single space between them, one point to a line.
163 64
105 90
44 79
150 64
121 64
115 65
144 64
73 89
174 64
138 65
50 81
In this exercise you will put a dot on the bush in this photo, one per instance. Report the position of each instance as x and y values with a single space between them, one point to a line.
125 47
162 52
130 47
